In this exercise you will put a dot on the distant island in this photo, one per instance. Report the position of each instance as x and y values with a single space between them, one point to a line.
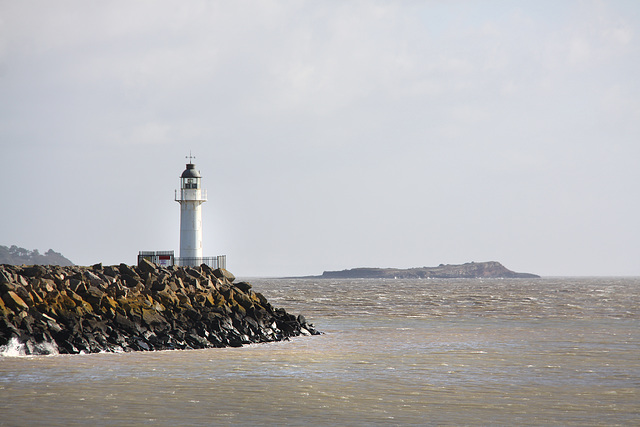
20 256
470 270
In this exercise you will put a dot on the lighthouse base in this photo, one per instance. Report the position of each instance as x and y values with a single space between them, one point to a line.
166 259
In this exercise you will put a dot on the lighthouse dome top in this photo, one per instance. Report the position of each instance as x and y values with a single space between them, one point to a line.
190 172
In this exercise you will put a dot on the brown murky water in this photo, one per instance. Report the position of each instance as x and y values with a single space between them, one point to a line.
560 351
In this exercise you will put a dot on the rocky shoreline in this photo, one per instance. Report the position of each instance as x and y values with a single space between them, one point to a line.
53 309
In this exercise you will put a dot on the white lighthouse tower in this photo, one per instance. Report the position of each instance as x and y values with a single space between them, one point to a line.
191 198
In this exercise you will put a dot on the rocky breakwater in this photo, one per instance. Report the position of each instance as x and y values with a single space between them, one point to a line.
49 309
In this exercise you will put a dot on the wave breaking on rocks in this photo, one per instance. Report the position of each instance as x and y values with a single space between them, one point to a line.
52 309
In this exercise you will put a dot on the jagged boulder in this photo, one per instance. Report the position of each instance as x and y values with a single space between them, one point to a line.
147 266
14 302
221 273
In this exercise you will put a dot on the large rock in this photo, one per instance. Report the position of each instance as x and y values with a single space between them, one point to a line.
147 266
14 302
221 273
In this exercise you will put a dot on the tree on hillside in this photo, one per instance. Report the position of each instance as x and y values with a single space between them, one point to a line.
15 255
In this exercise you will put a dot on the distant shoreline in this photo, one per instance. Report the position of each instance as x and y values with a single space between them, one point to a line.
470 270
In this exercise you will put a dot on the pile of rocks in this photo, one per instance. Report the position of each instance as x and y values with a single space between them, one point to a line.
123 308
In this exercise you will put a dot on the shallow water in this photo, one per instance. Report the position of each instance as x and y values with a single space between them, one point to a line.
529 352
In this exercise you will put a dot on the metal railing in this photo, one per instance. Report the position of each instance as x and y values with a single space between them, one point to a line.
219 261
190 195
163 258
167 258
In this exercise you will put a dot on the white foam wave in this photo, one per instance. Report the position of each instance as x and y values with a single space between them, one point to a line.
15 348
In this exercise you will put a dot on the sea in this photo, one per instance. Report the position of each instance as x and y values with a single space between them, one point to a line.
549 351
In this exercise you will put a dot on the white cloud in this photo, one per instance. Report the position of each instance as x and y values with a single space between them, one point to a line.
579 51
621 35
146 133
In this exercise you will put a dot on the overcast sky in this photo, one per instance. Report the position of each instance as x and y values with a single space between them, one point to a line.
329 134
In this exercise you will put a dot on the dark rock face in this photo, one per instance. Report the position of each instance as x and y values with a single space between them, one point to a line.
469 270
123 308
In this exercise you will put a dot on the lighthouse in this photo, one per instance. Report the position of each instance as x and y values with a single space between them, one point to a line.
191 198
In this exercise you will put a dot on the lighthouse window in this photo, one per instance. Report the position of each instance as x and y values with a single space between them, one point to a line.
191 183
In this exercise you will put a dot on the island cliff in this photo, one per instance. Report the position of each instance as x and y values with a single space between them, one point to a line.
50 309
468 270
